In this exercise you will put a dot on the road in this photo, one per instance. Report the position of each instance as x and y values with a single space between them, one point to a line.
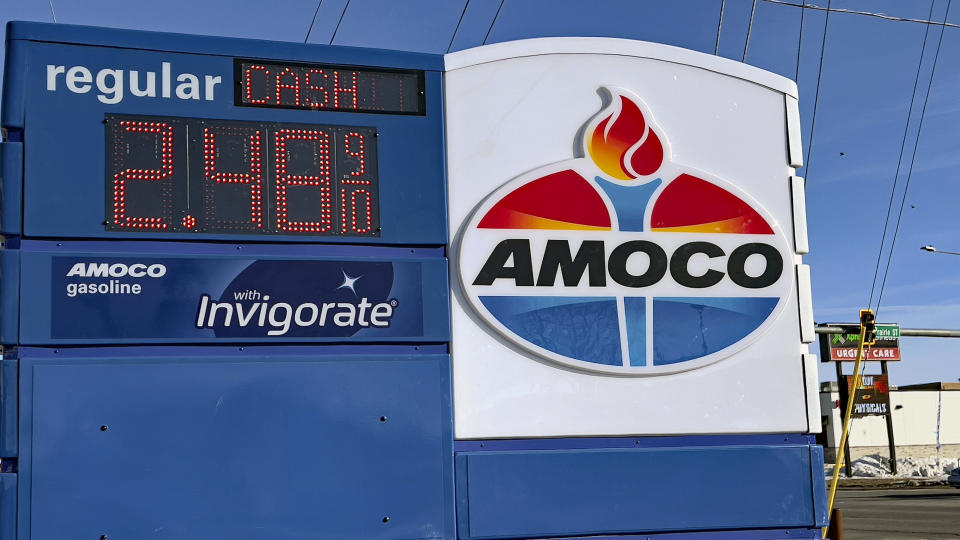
900 514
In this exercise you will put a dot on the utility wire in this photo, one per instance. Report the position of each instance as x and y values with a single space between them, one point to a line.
903 147
716 49
867 13
494 22
913 158
312 21
816 96
457 29
796 76
339 22
746 46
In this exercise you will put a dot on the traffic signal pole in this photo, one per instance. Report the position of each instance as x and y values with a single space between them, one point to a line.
846 425
904 332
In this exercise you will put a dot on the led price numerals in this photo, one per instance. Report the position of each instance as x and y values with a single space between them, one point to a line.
248 177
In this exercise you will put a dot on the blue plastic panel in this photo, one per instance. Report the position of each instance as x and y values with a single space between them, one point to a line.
587 443
14 69
9 295
820 502
86 293
64 160
521 494
9 405
225 443
11 186
8 506
755 534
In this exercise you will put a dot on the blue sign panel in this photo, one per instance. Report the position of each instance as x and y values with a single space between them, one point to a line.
261 442
135 292
188 138
226 289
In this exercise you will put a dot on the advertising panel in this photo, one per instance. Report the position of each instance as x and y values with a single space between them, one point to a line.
123 293
873 396
620 238
843 348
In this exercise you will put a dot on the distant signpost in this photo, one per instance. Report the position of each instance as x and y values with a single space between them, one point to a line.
873 396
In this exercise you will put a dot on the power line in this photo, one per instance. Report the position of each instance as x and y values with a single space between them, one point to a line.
339 22
913 158
746 46
716 50
312 21
903 146
803 13
816 97
867 13
493 22
457 29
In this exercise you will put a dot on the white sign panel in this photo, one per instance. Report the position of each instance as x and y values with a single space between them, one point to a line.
623 255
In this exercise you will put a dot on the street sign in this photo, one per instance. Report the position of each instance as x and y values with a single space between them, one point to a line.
888 331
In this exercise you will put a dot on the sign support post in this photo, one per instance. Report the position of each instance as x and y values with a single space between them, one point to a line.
889 419
844 399
839 343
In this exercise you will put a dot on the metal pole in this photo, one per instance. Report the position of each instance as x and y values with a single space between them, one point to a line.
889 418
904 332
846 425
835 532
844 396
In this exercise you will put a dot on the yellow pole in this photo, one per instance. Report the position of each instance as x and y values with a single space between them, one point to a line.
846 427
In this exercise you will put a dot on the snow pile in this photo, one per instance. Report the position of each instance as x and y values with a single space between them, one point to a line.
877 466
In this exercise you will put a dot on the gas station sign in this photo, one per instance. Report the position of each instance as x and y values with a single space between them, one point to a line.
336 293
607 247
222 254
584 223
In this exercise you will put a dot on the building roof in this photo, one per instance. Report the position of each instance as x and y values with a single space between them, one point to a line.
931 386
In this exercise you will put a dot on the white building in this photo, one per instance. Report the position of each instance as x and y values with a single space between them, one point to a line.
926 421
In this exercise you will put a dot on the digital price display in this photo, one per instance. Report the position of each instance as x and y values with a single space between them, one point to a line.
125 136
167 174
329 88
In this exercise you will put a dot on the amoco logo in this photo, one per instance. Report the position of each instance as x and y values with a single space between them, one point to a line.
624 261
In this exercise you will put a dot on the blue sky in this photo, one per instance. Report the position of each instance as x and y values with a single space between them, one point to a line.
863 118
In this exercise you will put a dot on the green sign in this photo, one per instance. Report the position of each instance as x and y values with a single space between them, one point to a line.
888 331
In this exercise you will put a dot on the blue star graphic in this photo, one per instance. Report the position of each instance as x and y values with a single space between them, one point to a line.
348 282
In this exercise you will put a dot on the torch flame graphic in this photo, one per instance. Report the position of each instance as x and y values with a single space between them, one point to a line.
623 144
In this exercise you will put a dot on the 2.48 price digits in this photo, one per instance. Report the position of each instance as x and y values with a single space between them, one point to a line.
219 176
